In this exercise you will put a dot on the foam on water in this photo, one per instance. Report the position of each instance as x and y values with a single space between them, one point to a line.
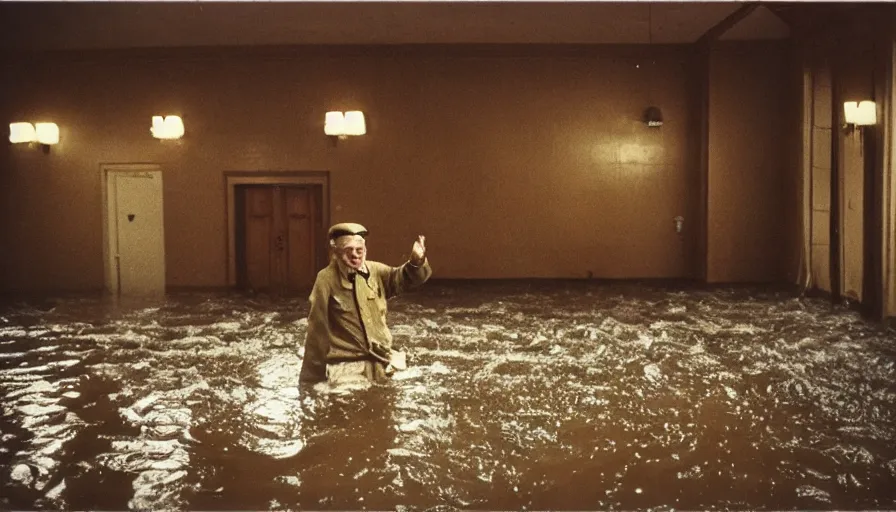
634 399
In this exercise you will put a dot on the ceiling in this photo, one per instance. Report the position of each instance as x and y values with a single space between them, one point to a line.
106 25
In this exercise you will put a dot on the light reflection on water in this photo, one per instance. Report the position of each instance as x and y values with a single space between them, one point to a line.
550 395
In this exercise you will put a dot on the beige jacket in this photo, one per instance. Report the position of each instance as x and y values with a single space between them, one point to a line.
347 315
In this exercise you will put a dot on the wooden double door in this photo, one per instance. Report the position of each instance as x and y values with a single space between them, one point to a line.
280 237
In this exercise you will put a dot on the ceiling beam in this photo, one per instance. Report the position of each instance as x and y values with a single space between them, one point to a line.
786 12
723 26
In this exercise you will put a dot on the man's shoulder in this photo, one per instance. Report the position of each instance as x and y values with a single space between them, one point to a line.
378 267
327 275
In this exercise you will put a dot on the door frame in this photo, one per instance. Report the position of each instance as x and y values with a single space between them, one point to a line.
888 149
232 179
110 235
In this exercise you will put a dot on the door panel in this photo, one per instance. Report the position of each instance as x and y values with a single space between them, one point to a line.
259 231
280 238
300 236
278 243
140 233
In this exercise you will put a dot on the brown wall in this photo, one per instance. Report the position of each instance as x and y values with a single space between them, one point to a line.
753 198
820 210
514 163
851 60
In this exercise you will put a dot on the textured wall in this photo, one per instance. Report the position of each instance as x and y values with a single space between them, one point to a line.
514 163
822 133
753 155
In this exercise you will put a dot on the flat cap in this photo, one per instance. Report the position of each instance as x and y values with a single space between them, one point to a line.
346 228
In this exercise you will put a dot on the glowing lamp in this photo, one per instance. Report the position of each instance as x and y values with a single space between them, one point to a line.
866 113
354 123
168 127
22 132
860 113
47 133
334 124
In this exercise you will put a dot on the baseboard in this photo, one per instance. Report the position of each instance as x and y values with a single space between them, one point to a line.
660 282
7 296
199 289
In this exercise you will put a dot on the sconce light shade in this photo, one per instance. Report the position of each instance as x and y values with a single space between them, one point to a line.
850 112
22 132
168 127
653 117
47 133
860 113
354 123
867 113
334 124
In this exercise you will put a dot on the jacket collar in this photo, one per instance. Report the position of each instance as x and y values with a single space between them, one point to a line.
343 271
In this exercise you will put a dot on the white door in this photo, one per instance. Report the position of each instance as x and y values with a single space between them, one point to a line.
136 233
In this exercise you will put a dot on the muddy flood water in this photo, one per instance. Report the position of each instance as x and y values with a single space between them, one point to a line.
547 395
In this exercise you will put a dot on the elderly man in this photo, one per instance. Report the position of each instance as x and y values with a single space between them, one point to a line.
347 338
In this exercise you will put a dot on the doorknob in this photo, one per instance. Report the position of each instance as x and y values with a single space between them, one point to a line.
279 242
679 223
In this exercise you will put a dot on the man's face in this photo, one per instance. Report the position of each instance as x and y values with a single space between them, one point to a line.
352 250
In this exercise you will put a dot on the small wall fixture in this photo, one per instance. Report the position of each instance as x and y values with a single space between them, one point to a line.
861 113
167 128
45 134
653 117
343 124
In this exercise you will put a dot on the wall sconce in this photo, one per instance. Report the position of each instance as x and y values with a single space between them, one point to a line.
859 115
167 128
45 134
862 113
343 124
653 117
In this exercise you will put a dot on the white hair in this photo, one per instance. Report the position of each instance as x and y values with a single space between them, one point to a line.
342 241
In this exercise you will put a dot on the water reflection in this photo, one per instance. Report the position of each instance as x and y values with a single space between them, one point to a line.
551 395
